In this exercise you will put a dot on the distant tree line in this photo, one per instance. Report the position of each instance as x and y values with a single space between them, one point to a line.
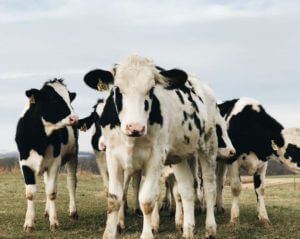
87 162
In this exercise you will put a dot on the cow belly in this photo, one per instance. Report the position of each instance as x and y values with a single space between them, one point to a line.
250 163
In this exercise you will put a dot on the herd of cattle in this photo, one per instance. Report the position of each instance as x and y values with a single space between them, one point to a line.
160 123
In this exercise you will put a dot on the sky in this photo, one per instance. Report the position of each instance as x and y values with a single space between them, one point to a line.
242 48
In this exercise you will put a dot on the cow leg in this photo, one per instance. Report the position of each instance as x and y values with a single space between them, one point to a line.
185 181
259 184
209 183
155 216
102 166
193 162
121 214
201 190
166 199
149 193
30 188
236 188
72 181
178 210
136 181
47 199
51 191
221 178
115 194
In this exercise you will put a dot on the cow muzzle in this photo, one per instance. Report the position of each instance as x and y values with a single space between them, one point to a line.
73 120
226 153
135 130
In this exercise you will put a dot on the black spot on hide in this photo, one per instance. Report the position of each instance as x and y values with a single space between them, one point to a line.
109 115
155 113
146 105
28 175
118 99
252 131
294 152
256 180
180 96
227 107
221 143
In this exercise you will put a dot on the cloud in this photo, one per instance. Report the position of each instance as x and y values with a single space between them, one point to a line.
242 48
146 12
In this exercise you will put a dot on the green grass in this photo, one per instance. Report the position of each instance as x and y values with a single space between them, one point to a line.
283 205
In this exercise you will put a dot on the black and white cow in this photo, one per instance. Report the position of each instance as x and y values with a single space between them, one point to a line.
149 117
172 198
257 137
99 147
47 138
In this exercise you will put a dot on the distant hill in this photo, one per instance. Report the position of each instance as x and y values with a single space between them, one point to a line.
87 162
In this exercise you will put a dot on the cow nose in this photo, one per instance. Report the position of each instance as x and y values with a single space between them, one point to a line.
231 153
135 129
73 119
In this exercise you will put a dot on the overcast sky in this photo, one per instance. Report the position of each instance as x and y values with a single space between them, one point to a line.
242 48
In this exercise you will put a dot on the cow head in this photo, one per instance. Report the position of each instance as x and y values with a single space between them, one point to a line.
225 147
134 80
53 103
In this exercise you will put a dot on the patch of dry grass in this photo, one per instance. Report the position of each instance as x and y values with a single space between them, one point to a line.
282 204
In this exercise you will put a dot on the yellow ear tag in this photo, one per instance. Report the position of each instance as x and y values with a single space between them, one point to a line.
32 99
83 127
274 146
102 86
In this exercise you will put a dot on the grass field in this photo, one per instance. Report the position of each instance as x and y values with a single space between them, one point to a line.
283 205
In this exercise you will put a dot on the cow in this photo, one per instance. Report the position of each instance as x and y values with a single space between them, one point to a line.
46 138
172 199
257 137
99 147
151 117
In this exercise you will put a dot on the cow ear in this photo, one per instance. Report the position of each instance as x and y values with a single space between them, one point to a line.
175 79
72 96
33 95
86 123
99 79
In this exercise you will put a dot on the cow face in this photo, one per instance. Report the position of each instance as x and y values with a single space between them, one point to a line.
225 147
53 102
134 81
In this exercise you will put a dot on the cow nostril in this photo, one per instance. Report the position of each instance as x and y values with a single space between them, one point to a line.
232 152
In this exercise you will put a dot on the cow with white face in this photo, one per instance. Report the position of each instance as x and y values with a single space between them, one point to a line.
257 137
47 138
151 117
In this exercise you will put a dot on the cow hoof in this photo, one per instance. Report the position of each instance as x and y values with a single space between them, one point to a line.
179 229
28 229
210 231
188 236
235 221
74 215
54 227
147 236
265 222
108 235
210 237
46 215
155 230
